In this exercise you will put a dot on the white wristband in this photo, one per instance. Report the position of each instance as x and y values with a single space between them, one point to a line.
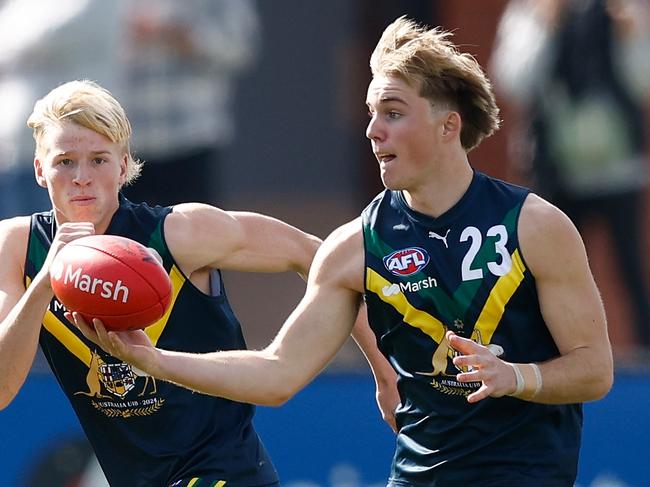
538 379
525 374
520 381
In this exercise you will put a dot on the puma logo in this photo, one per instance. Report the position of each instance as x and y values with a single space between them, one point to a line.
440 237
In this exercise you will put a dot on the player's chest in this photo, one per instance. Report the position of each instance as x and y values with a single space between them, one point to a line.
453 254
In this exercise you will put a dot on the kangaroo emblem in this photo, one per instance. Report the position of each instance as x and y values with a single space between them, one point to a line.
147 378
440 237
92 378
440 357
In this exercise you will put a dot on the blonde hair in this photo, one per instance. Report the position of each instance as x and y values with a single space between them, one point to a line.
89 105
418 55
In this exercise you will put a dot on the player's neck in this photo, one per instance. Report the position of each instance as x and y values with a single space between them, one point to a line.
441 192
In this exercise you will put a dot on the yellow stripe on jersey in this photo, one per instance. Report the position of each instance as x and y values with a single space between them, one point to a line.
219 483
79 349
499 297
411 315
154 331
62 333
69 340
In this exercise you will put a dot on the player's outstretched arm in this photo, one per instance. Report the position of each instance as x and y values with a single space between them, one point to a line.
573 312
201 236
21 311
307 341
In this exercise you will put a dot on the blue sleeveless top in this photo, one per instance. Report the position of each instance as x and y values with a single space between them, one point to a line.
145 432
463 271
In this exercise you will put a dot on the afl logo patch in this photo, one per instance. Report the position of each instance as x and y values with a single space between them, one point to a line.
406 261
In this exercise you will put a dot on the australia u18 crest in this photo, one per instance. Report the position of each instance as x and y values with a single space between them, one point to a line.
117 378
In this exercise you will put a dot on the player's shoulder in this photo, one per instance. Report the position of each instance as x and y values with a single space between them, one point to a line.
16 228
546 233
542 217
346 232
14 235
344 239
191 217
340 257
194 210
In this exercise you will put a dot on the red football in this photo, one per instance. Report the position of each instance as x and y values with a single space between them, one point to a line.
115 279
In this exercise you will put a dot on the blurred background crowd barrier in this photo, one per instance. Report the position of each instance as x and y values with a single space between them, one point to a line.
260 105
329 435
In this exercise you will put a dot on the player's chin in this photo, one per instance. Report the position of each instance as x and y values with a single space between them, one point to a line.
390 182
393 186
392 179
78 213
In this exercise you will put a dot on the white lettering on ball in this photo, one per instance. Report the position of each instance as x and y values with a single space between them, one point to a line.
91 285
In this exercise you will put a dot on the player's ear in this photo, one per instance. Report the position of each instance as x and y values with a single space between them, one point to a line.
123 165
451 124
38 173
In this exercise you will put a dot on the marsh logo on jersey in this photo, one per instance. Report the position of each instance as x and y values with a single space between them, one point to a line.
408 261
409 287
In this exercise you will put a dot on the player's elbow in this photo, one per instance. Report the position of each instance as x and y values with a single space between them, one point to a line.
276 400
8 392
6 398
273 396
282 393
305 258
288 382
602 379
602 384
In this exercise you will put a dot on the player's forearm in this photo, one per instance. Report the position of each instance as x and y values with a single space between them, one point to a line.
584 374
254 377
19 333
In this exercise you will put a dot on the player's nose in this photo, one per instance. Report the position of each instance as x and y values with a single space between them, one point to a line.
373 130
82 175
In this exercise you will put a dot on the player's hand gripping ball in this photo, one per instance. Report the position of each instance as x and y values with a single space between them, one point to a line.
115 279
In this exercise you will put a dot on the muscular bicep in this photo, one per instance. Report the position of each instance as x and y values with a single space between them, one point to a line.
568 296
201 236
13 244
11 289
267 244
572 308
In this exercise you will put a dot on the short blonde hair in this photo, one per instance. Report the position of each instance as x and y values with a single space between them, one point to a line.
88 105
418 55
